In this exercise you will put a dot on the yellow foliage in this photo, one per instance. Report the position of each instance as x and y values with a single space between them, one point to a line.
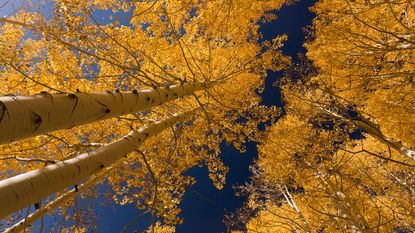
166 43
362 85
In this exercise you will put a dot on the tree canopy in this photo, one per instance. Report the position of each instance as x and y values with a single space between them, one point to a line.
341 159
67 51
137 98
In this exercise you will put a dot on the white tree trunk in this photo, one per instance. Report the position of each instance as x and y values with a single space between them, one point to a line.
39 213
374 130
27 116
290 201
22 190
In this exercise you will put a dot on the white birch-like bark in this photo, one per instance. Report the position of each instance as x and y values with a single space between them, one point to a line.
27 116
374 130
289 198
25 189
42 211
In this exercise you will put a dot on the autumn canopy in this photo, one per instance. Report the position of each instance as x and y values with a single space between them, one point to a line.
119 99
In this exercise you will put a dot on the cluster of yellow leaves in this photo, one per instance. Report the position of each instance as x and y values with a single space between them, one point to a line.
363 58
74 230
159 228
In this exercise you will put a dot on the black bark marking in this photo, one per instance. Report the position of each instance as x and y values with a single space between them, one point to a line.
122 101
106 108
136 97
48 96
135 92
37 119
76 188
37 205
3 110
73 96
31 184
79 169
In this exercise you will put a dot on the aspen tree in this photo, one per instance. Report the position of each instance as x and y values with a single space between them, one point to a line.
336 182
303 98
28 188
72 52
57 202
28 116
364 54
270 201
347 138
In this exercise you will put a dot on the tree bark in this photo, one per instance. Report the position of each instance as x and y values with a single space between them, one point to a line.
288 197
374 130
43 210
27 116
22 190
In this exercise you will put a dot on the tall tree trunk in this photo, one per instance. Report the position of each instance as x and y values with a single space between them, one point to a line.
22 190
374 130
43 210
27 116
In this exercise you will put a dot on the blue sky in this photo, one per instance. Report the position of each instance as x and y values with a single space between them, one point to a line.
8 6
